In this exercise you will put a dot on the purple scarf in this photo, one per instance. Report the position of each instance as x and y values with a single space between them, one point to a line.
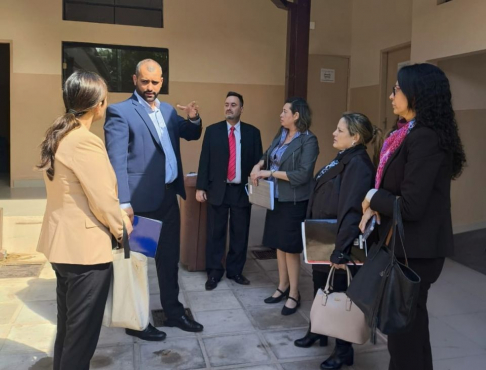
392 143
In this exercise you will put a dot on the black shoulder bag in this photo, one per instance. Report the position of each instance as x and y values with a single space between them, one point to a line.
385 289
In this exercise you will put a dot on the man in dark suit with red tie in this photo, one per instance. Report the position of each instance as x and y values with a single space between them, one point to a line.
230 150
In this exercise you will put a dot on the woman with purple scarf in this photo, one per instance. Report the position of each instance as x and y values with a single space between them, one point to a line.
417 163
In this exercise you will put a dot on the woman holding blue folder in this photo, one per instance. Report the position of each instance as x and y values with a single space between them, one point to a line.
338 192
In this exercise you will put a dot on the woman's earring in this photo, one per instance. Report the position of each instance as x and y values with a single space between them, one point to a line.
353 143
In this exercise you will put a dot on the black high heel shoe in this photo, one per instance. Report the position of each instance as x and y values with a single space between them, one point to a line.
309 339
289 311
279 298
342 355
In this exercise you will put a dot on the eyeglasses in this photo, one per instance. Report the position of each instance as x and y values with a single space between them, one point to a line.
395 89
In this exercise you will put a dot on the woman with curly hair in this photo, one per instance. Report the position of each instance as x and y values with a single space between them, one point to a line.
417 163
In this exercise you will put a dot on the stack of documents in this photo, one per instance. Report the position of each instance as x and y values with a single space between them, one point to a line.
262 195
319 237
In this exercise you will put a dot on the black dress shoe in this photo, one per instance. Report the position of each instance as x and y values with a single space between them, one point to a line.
309 339
240 279
184 323
150 333
342 355
286 311
279 298
211 283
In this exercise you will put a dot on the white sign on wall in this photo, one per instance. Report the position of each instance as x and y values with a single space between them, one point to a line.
328 75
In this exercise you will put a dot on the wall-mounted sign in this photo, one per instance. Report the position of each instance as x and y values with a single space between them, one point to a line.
403 64
328 75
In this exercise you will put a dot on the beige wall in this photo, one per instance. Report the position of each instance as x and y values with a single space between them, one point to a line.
467 77
366 100
452 28
228 44
332 33
328 101
376 25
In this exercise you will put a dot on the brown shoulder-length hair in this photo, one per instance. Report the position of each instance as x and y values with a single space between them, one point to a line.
82 92
299 105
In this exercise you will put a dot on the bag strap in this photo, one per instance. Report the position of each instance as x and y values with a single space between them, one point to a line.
330 281
397 228
401 231
125 244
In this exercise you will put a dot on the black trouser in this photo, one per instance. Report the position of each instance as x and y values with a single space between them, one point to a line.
340 285
82 291
239 219
411 350
168 252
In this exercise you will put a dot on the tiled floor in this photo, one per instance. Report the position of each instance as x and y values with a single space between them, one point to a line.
241 332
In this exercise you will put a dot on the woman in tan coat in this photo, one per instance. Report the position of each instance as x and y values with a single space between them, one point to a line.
82 215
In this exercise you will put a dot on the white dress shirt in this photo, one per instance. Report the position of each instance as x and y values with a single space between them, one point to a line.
159 123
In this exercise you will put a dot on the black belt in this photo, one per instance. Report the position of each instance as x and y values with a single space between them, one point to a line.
232 184
170 185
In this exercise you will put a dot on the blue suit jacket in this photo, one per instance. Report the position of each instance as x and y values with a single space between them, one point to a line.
136 153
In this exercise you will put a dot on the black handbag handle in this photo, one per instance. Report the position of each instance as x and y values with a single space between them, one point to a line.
397 228
125 244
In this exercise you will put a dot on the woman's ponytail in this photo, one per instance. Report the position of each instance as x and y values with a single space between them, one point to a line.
58 130
82 92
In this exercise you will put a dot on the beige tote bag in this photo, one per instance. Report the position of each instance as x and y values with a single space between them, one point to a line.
128 299
335 315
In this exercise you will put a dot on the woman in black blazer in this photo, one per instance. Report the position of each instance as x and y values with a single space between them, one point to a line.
338 192
417 163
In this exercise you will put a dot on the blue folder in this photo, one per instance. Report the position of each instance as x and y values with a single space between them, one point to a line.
145 236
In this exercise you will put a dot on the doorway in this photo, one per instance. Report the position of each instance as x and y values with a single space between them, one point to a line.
392 61
4 112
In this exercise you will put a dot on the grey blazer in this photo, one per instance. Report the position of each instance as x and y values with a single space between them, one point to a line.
298 162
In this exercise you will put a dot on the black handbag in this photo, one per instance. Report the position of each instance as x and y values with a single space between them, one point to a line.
385 289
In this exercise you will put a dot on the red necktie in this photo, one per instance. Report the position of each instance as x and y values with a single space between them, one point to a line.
232 155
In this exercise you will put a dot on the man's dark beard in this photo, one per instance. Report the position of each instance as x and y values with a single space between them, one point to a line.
153 92
142 94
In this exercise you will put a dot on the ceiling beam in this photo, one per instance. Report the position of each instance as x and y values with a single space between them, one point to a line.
282 4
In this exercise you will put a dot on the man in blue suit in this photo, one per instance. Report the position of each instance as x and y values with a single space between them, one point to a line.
142 138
